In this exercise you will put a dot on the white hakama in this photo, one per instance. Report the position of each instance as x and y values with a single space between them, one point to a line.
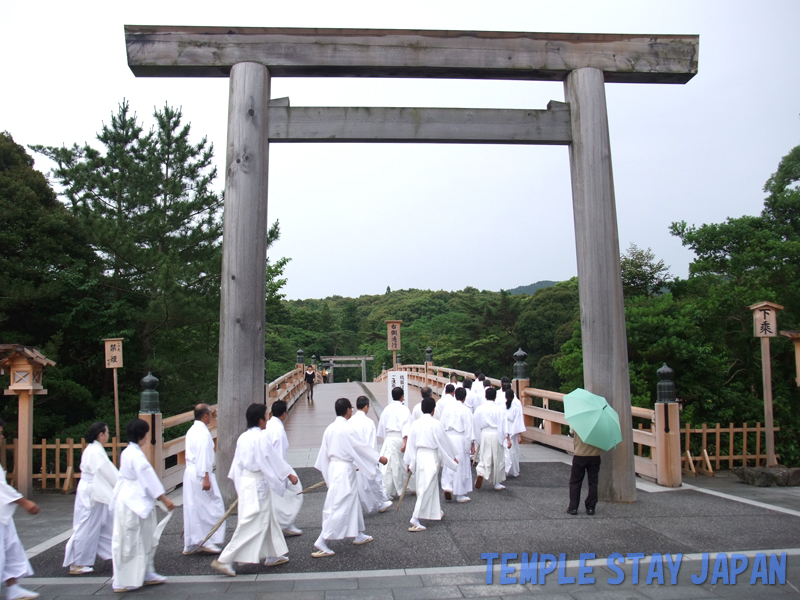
286 507
340 454
428 446
92 520
457 424
259 473
515 424
393 427
490 424
134 539
13 561
202 509
370 489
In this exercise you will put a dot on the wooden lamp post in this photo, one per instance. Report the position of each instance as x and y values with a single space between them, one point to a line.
25 365
765 326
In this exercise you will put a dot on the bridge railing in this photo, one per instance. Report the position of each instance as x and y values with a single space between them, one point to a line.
548 426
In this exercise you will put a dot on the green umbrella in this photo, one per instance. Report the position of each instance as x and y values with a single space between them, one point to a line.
592 419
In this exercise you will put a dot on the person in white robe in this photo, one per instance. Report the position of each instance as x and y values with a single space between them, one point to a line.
473 400
134 539
288 506
393 428
340 454
14 563
370 490
445 402
489 422
202 501
92 521
259 473
416 414
515 427
428 447
457 424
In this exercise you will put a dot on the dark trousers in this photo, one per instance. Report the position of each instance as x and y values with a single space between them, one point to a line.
580 465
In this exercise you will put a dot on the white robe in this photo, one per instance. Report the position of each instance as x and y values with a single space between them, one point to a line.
473 400
201 509
428 445
393 427
489 423
259 473
92 520
443 405
339 455
457 424
134 541
13 561
288 506
515 425
370 490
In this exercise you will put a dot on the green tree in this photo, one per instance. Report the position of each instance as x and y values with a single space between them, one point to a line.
642 275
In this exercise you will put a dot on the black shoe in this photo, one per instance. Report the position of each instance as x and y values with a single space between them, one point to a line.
589 511
572 511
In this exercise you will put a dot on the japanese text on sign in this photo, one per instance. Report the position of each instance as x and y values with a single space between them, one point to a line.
113 353
765 322
393 335
398 379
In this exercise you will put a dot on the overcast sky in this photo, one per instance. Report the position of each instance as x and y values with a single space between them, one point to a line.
490 217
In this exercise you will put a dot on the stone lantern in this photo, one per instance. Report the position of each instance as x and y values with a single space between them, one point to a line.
25 365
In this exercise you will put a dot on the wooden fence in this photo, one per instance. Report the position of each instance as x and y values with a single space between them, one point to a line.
60 460
706 449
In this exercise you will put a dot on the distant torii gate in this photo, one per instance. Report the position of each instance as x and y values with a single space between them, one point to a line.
584 62
352 360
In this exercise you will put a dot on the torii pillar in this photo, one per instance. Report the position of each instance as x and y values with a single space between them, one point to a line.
244 258
605 346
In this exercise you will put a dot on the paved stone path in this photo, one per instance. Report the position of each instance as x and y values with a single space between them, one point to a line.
445 561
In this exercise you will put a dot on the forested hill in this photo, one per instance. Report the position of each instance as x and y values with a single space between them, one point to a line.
531 289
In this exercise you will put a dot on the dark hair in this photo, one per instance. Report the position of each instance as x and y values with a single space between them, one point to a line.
361 402
200 411
453 375
491 393
342 405
449 388
461 393
509 397
278 408
467 383
137 430
95 430
255 412
505 386
397 393
481 377
426 392
504 380
477 374
428 404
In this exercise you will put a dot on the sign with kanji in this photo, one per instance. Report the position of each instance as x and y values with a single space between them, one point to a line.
113 353
398 379
393 335
765 319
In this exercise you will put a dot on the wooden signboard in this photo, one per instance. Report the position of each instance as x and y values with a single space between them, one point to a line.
114 361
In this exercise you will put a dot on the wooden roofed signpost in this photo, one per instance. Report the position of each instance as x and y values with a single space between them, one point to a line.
393 339
251 56
25 365
765 326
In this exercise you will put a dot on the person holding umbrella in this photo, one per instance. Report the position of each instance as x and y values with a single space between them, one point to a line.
596 428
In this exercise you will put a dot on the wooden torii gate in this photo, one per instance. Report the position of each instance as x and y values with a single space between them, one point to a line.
250 57
350 361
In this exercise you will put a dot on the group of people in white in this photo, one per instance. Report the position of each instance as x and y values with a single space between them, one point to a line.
115 517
